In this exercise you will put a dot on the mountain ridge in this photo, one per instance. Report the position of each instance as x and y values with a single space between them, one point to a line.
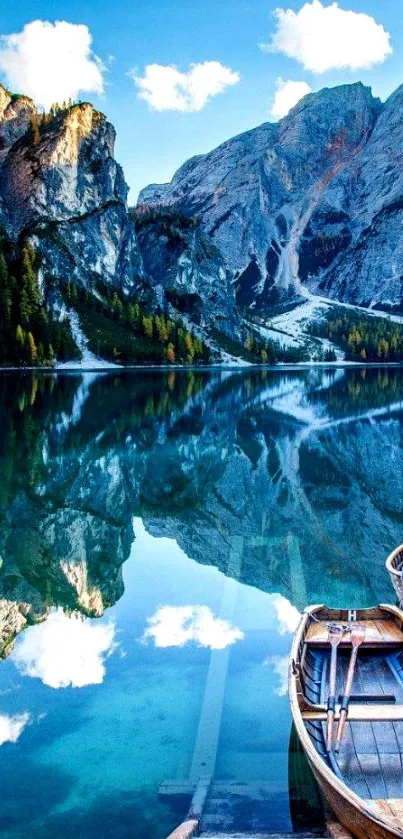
305 209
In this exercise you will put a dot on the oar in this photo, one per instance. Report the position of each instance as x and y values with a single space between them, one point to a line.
357 637
335 636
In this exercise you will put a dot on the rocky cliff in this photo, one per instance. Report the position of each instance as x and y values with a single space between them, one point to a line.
61 186
312 203
61 189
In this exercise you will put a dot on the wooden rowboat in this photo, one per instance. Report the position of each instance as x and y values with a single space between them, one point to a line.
363 783
394 565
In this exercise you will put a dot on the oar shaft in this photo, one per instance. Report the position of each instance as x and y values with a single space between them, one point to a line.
344 703
350 671
332 697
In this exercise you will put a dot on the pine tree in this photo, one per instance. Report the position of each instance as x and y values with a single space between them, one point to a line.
32 351
35 129
20 335
6 298
148 326
189 348
162 329
117 304
24 307
170 353
51 355
29 281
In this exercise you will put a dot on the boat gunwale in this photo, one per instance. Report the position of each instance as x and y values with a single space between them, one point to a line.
317 763
389 562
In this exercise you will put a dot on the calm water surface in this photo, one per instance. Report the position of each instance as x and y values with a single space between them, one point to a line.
159 536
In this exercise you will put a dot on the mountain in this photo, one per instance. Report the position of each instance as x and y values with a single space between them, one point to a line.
241 255
313 202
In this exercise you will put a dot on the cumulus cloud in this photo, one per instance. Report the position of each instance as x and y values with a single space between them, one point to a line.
324 38
287 95
51 62
12 727
165 88
65 651
175 626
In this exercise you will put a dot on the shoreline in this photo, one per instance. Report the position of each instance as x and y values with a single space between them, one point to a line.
240 368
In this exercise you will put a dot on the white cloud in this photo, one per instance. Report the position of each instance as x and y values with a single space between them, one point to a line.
65 651
12 727
287 95
175 626
51 62
323 38
165 88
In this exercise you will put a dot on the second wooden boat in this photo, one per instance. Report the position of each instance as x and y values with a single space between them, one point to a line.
394 566
363 783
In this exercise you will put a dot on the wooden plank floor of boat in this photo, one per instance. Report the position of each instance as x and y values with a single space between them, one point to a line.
371 754
376 632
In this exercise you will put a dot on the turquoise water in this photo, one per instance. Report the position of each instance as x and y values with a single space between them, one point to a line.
159 536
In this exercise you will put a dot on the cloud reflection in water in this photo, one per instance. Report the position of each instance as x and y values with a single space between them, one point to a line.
288 615
175 626
12 727
65 650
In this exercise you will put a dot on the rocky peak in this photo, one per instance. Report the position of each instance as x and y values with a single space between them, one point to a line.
330 125
5 99
61 185
277 201
16 113
60 168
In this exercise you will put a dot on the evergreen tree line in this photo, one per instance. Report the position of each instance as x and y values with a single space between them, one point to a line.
39 121
167 217
364 339
29 335
124 331
264 351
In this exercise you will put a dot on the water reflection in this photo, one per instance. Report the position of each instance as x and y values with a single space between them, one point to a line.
12 727
175 626
193 516
66 650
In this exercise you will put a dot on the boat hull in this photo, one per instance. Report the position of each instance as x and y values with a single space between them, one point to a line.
352 818
364 818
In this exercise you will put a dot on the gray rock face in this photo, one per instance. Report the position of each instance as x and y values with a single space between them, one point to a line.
63 187
315 200
368 196
185 269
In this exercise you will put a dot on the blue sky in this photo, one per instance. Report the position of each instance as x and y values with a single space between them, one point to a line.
127 36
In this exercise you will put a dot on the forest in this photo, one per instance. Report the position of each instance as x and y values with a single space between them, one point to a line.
362 337
29 334
122 330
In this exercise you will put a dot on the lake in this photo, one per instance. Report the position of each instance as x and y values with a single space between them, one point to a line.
160 534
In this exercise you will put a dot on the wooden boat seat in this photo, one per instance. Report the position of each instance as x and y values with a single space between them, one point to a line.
377 633
359 713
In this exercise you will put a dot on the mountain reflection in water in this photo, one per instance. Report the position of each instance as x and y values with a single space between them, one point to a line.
289 482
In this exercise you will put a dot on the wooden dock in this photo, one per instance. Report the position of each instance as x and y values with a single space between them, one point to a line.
239 809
